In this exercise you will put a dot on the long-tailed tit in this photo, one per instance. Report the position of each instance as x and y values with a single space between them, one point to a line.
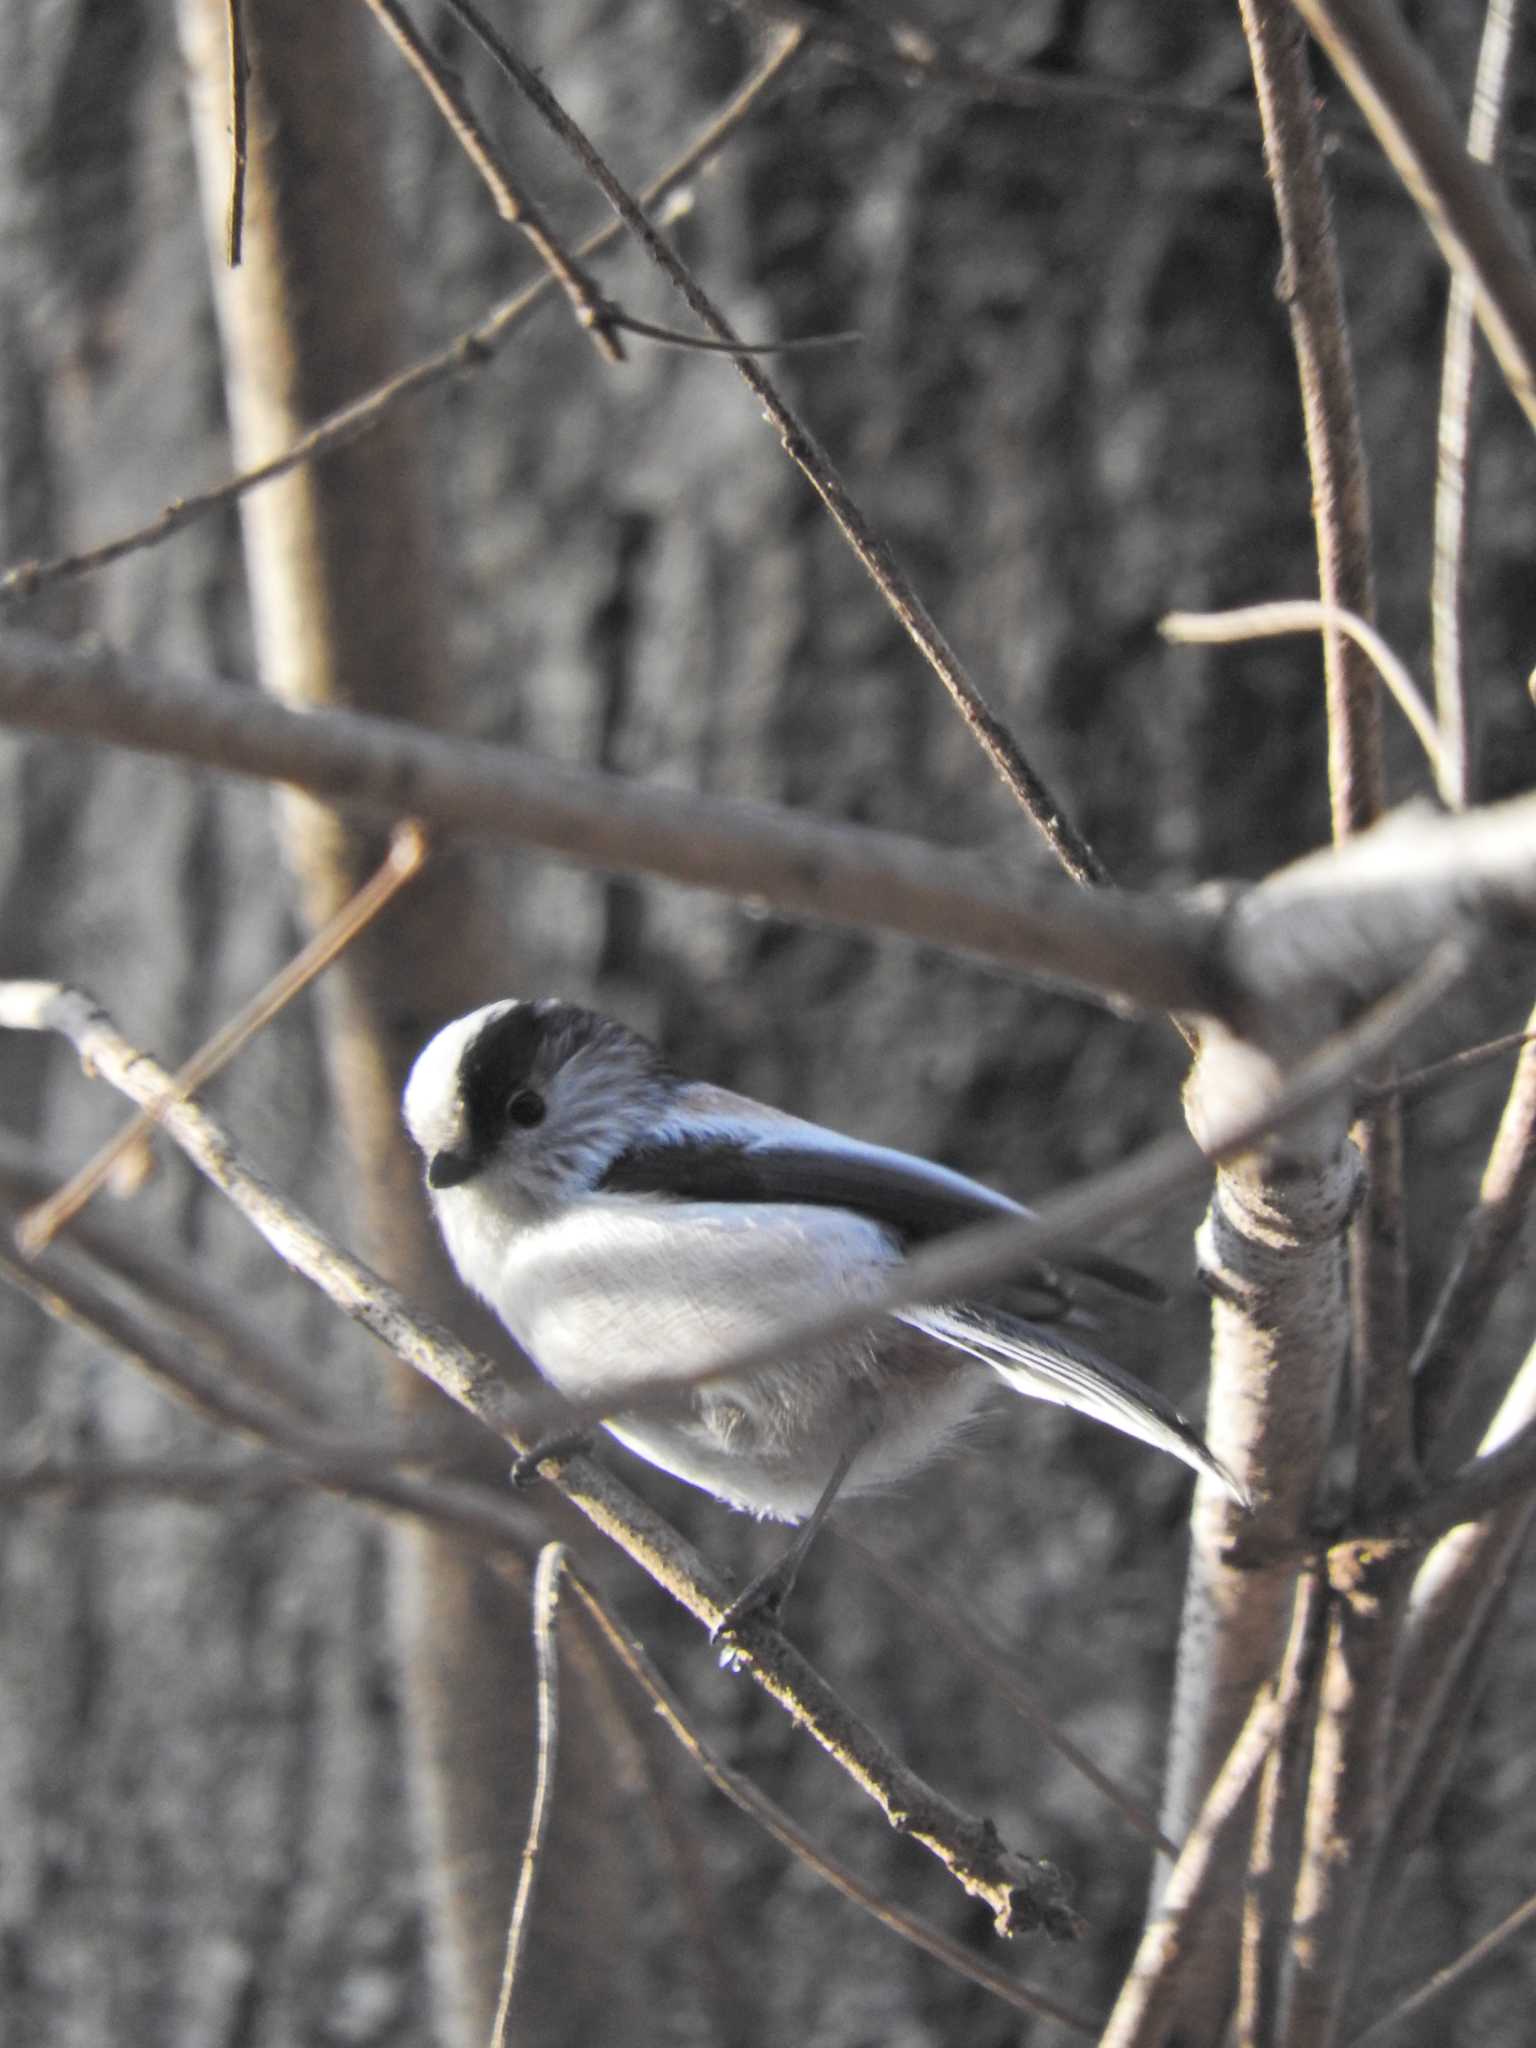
628 1225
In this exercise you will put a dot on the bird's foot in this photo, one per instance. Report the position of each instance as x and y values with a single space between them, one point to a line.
763 1598
548 1450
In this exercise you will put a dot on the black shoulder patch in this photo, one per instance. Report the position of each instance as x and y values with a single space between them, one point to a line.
719 1166
526 1046
916 1207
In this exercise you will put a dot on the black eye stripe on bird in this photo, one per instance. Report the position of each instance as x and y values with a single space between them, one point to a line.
643 1224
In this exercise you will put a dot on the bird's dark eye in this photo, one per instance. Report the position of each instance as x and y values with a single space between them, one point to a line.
526 1107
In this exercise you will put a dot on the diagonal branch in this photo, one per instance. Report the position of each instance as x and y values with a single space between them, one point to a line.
1481 1260
592 310
546 1656
1155 951
971 1260
467 352
1453 438
989 731
1280 963
745 1795
1479 235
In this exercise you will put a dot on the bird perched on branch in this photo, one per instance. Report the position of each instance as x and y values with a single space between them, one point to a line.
630 1226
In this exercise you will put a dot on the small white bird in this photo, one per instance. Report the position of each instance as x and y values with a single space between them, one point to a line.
628 1225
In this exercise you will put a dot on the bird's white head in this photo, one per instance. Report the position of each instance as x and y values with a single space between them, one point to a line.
527 1103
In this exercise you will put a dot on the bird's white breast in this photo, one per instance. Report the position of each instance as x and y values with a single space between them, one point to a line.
616 1290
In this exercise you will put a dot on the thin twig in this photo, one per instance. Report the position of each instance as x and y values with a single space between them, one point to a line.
1420 1078
1458 380
941 1613
116 1482
1445 1980
1150 950
1022 1893
1481 1261
1461 1593
468 352
674 337
1500 1477
546 1597
309 1449
592 310
742 1793
239 73
1271 1872
1312 289
406 856
989 731
1193 1894
1479 236
912 54
1345 1819
1309 615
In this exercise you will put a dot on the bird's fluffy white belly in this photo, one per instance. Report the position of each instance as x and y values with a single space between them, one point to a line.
611 1295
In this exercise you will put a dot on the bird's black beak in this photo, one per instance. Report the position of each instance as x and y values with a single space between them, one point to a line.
452 1169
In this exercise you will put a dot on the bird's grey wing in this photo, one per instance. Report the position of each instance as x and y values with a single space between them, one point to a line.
1047 1367
711 1155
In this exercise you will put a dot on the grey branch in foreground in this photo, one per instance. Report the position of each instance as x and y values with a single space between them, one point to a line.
1282 963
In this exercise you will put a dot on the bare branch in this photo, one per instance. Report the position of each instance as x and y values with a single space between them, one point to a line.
113 1482
1459 1593
1312 288
239 155
1481 1260
1182 1958
989 731
1453 1974
674 337
1497 1480
546 1656
467 353
1271 1862
1458 381
1346 1794
742 1793
1307 615
316 1453
1457 1063
407 851
941 1612
1478 234
1282 962
592 310
1196 1892
312 1450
